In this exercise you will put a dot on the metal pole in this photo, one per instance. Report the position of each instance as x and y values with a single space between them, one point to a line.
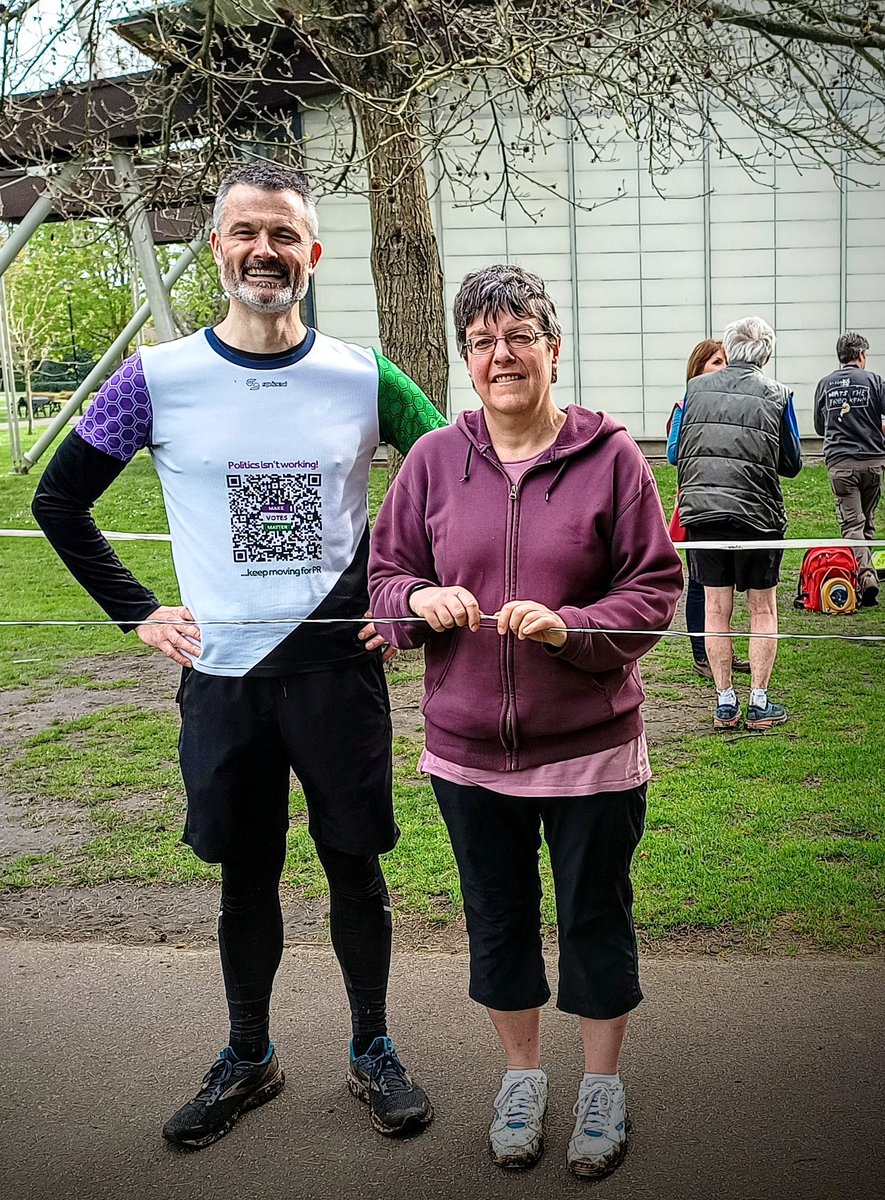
41 207
110 357
133 205
143 244
135 288
15 442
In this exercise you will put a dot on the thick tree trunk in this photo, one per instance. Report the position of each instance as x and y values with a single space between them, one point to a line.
405 256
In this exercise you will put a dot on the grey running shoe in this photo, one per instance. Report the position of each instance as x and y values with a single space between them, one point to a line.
516 1135
599 1140
230 1088
397 1105
764 718
728 716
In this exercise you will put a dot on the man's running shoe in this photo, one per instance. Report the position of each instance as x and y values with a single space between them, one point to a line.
230 1088
516 1135
703 668
599 1140
741 665
397 1105
728 716
764 718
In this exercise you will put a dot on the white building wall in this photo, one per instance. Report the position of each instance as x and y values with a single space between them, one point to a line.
641 269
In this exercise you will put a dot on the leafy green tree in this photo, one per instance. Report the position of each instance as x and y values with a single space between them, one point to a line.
70 295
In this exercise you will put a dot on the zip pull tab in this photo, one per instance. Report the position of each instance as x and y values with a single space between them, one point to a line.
513 491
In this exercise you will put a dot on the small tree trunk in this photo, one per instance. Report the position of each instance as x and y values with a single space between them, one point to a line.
405 256
29 396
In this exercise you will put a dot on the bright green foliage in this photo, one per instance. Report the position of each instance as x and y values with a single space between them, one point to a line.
87 262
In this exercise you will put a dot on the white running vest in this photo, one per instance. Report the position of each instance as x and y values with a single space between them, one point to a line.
264 470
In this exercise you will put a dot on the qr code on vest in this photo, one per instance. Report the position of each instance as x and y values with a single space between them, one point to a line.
276 518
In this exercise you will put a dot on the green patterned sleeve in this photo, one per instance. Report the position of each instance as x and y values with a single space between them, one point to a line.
404 412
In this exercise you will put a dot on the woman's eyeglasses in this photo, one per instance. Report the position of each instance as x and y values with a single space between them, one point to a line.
516 339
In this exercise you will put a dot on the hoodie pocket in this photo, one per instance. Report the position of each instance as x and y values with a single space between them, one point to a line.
435 675
464 692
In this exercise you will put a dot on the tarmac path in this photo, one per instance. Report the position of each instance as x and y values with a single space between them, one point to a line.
756 1078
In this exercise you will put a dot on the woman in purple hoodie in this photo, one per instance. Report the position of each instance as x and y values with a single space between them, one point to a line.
525 537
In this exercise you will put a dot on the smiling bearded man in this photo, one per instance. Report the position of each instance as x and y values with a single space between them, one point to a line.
262 432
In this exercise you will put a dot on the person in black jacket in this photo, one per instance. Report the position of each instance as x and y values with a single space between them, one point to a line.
735 435
849 407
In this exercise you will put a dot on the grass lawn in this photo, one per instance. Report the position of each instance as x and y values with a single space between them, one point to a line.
777 837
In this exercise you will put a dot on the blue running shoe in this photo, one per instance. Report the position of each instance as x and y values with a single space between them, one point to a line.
397 1105
764 718
728 716
230 1087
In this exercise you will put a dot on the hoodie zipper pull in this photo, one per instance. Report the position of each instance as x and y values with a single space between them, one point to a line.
513 491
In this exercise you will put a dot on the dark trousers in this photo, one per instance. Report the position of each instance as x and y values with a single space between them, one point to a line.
695 614
496 840
857 491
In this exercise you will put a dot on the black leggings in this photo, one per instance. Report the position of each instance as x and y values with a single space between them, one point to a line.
250 938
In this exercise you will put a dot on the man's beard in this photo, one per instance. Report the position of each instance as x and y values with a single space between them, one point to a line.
264 297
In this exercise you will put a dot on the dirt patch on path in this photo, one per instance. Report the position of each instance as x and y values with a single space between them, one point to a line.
186 916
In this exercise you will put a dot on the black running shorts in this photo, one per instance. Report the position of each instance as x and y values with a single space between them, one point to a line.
739 569
240 737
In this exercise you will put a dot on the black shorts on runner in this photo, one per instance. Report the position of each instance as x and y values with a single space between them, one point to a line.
740 569
241 737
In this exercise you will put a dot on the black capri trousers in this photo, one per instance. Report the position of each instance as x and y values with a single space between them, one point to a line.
496 840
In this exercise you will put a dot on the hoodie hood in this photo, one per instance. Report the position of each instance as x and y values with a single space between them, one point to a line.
582 428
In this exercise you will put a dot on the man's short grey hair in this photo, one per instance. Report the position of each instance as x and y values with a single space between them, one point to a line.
749 340
269 177
492 291
851 346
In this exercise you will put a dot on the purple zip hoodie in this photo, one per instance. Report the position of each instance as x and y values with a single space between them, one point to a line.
582 533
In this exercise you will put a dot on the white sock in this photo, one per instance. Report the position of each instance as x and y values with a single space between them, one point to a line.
759 697
594 1077
525 1073
729 696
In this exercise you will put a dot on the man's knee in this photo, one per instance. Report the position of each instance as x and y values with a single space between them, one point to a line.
719 601
762 601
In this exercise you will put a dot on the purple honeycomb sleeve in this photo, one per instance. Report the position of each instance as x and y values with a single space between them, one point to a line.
118 421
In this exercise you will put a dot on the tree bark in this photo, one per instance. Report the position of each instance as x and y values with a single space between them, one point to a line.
405 257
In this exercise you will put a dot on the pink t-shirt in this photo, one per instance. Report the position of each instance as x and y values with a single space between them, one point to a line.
614 770
516 470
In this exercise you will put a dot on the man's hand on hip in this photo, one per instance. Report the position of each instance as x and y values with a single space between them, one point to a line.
171 631
373 640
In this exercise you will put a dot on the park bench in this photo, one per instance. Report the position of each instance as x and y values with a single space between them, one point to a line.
43 406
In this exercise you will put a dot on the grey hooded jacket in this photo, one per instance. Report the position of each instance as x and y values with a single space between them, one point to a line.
738 434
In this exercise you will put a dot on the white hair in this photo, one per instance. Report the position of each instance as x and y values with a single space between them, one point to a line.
749 339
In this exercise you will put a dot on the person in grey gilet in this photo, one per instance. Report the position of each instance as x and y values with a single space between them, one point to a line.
737 436
849 407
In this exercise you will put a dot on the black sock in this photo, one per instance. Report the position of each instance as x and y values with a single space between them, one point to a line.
362 1041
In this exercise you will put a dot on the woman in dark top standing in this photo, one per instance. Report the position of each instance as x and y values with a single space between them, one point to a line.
707 356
